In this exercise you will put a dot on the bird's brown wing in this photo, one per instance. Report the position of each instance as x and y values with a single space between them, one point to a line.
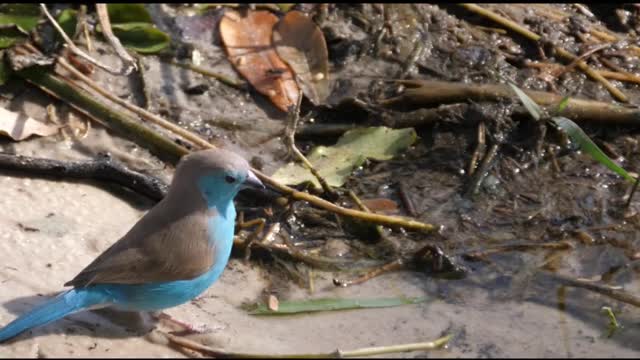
156 249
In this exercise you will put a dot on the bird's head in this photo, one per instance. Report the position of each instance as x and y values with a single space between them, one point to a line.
217 174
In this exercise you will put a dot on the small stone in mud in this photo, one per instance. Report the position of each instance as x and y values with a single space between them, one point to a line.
335 248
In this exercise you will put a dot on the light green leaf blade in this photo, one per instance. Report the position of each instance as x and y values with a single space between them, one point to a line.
141 37
563 103
588 146
336 163
330 304
531 106
25 16
128 13
14 16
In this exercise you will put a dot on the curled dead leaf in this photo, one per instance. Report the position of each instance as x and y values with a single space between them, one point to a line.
273 303
19 126
381 205
301 44
247 40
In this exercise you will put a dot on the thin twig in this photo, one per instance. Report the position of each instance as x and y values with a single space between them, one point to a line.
511 25
238 84
103 17
483 170
290 132
480 147
608 291
392 266
76 50
370 351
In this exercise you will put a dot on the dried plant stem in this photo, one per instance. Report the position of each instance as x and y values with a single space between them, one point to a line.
222 78
370 351
128 62
76 50
290 133
427 92
608 291
511 25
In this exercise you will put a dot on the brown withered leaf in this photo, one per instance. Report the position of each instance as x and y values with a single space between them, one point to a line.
301 44
381 205
19 126
247 40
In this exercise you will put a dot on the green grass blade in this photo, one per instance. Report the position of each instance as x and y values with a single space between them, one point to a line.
588 146
531 106
329 304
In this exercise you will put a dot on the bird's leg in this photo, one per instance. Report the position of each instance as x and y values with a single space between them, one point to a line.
254 235
187 329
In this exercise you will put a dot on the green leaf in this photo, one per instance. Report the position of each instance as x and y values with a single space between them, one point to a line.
285 7
10 35
531 106
141 37
335 163
588 146
25 16
68 20
563 104
329 304
128 13
16 21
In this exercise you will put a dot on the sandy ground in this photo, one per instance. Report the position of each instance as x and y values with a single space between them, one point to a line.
52 229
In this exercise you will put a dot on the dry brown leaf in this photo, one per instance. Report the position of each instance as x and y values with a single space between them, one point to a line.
19 126
381 205
247 40
301 44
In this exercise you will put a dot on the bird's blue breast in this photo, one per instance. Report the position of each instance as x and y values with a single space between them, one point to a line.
161 295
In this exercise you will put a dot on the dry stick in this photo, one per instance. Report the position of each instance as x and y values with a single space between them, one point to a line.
371 351
426 92
290 132
240 85
479 148
583 56
104 169
483 170
535 37
619 74
616 294
76 50
561 245
397 264
105 24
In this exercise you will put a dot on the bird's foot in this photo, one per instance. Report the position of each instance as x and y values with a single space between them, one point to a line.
185 328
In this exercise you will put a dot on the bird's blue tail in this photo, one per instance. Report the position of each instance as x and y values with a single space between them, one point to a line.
64 304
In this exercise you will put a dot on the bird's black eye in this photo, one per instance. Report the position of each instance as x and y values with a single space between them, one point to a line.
229 179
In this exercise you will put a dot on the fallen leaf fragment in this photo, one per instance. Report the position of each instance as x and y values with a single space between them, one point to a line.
381 205
19 126
301 44
247 40
335 163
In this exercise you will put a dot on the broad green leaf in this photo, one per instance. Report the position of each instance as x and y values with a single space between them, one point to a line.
329 304
10 35
128 13
15 21
531 106
141 37
285 7
25 16
335 163
68 20
588 146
